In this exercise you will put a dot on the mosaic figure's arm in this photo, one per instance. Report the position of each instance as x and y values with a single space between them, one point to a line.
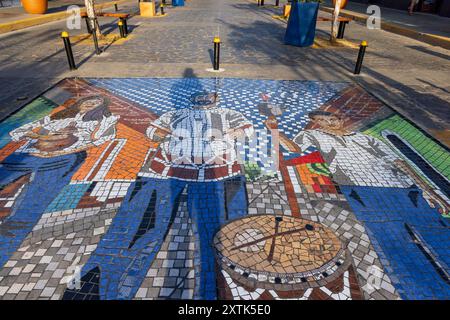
239 126
428 193
26 129
160 128
93 134
105 131
392 159
279 137
303 141
382 150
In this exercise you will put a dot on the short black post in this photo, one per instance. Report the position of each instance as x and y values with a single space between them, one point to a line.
362 51
125 26
277 3
216 53
162 8
68 47
88 25
262 2
94 37
115 7
122 32
341 29
259 3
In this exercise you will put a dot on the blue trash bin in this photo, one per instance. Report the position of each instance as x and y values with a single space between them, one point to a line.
178 3
301 27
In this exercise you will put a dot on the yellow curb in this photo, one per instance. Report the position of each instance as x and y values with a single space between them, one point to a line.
395 28
155 16
325 43
45 18
280 17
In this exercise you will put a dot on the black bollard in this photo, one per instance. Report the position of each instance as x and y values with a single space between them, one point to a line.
122 32
97 49
162 8
277 3
115 7
341 29
125 26
262 2
68 47
216 65
88 25
94 37
362 51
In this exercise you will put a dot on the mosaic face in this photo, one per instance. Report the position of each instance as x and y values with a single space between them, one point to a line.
220 189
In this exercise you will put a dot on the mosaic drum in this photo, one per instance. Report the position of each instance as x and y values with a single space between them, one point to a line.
56 142
279 252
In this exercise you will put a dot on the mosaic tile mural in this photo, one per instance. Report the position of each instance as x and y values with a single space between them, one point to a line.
193 188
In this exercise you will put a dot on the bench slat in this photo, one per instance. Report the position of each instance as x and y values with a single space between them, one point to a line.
343 19
108 14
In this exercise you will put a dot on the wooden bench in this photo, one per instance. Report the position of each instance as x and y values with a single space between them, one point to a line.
342 20
121 16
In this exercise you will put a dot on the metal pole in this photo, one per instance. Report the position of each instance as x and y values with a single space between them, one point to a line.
216 65
162 8
362 51
68 48
88 25
341 29
122 33
125 26
262 2
115 7
94 37
277 3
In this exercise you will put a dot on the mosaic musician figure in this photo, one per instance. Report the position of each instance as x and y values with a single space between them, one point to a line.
397 204
197 153
53 148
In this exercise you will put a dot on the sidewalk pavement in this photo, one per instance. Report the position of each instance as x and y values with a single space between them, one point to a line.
15 18
429 28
